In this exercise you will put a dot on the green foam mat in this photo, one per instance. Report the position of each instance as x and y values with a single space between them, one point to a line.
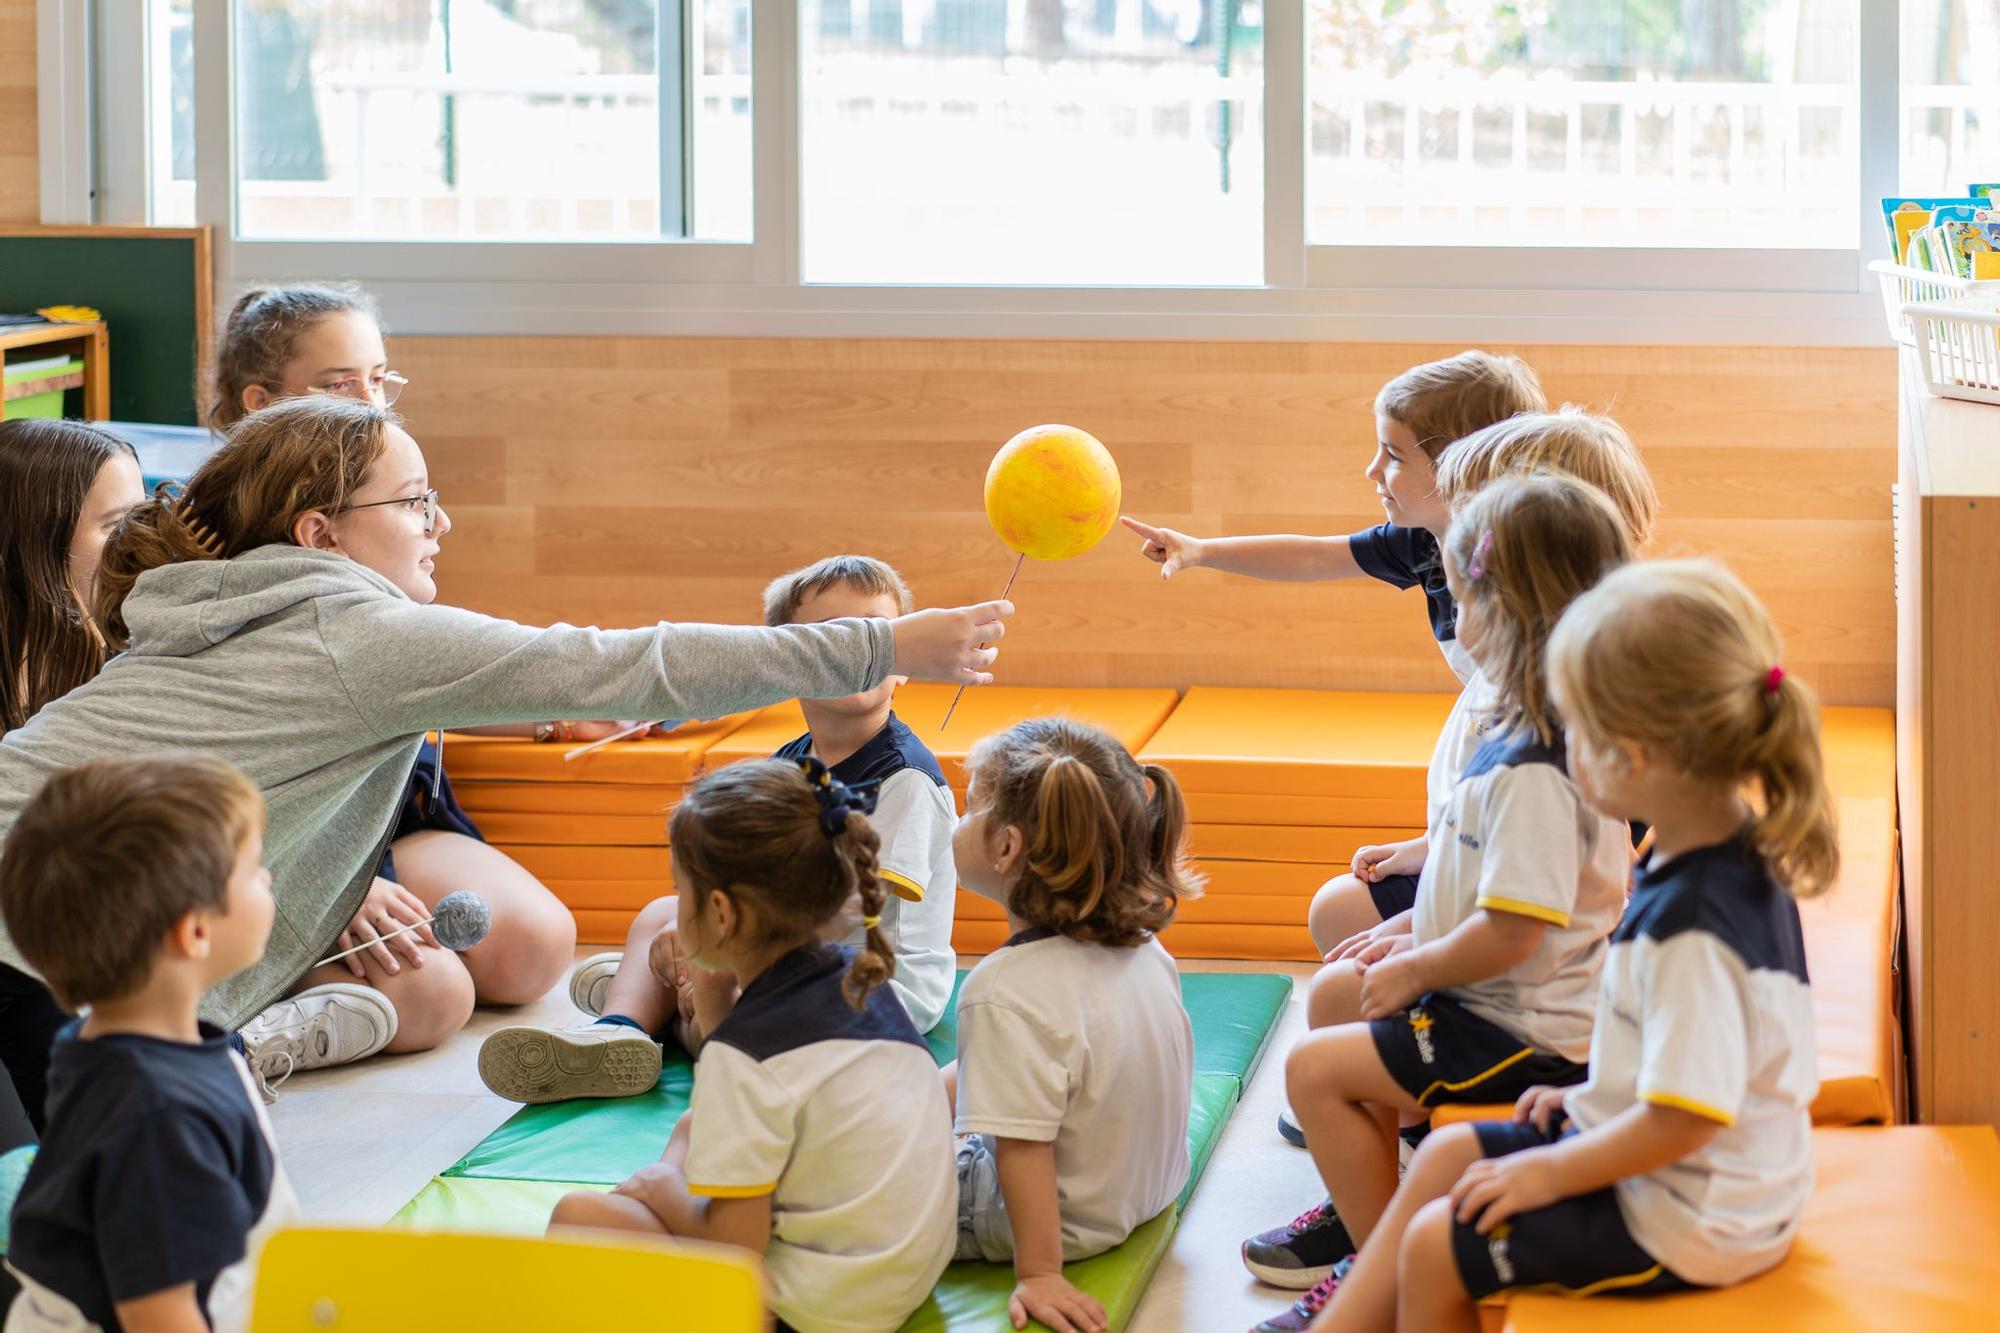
973 1297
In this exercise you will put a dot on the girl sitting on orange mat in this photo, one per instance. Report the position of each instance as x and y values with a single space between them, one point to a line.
818 1134
1686 1159
1495 987
1076 1058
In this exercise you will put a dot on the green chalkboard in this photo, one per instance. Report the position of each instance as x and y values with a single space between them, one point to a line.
152 286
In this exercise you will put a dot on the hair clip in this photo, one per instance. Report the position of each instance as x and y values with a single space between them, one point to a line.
836 799
1475 569
1774 679
204 536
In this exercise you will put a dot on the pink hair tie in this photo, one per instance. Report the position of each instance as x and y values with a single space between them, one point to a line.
1475 569
1774 680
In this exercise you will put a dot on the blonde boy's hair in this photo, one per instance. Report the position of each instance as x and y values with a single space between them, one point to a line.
1442 402
1517 555
1572 441
1678 655
863 573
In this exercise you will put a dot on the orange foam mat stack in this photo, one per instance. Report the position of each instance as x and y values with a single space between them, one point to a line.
1282 786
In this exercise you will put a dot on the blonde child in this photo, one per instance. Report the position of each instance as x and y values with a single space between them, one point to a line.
1075 1055
642 991
818 1136
1494 988
134 886
1686 1159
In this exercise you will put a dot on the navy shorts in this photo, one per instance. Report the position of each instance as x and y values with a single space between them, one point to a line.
421 810
1578 1246
1394 894
1439 1051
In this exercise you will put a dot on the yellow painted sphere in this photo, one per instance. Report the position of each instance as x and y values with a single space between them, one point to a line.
1052 492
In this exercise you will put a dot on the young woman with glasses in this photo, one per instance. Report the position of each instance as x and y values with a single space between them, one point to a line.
282 615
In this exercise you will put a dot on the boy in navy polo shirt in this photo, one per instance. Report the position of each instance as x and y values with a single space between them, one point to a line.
641 992
133 887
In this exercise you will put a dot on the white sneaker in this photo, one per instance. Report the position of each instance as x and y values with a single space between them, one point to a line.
591 979
334 1024
536 1065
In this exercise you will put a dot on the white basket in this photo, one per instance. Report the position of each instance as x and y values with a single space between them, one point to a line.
1959 348
1903 286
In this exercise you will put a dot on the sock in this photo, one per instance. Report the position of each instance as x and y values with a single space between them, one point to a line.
620 1021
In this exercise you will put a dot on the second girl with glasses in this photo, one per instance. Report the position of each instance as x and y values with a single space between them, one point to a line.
323 339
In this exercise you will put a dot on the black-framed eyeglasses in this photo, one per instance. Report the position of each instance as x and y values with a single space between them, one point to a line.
428 500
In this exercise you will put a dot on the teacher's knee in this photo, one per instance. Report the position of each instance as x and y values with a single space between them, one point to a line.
432 1002
528 950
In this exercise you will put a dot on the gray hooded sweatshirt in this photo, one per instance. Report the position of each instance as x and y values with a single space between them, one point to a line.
318 678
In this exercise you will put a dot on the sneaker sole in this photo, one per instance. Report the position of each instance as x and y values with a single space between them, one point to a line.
1285 1279
535 1066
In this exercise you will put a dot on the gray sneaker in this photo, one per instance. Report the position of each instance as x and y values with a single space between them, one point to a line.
591 979
537 1065
334 1024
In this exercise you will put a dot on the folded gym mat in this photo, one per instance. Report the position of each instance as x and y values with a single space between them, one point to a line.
673 758
1300 742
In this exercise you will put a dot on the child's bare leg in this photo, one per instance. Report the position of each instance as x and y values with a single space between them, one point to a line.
1334 996
1431 1296
949 1075
604 1212
634 992
1341 908
1366 1301
1336 1082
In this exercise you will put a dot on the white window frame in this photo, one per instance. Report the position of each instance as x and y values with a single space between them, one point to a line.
667 286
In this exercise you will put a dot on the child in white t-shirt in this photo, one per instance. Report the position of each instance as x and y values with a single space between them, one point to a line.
1686 1158
1494 988
640 994
817 1135
1075 1056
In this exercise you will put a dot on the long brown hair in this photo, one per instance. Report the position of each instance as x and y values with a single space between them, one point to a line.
1106 835
48 642
753 831
263 331
1679 655
294 457
1517 554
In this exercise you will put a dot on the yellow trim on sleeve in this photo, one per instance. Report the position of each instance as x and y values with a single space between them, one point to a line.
1690 1105
733 1191
902 885
1516 907
1423 1098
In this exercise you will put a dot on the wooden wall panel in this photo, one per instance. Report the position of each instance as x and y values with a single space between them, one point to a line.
619 480
20 151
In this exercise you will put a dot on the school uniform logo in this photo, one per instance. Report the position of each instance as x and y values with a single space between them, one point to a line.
1496 1251
1420 1024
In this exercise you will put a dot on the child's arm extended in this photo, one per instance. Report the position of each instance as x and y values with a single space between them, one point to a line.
1280 557
1027 1169
1483 945
1643 1138
171 1311
662 1187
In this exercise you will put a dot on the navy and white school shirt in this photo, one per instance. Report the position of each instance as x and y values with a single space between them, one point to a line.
914 818
1409 558
1705 1007
158 1169
839 1116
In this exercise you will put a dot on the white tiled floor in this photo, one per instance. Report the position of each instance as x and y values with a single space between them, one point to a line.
360 1142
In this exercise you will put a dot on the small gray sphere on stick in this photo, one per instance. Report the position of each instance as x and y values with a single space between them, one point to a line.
461 920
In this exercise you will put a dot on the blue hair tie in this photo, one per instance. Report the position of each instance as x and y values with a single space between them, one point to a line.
836 799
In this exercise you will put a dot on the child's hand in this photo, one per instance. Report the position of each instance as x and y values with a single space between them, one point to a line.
653 1185
1384 946
1496 1188
667 959
1372 865
1390 986
1539 1105
1171 551
1051 1300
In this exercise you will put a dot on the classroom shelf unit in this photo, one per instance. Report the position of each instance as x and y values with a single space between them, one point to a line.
90 343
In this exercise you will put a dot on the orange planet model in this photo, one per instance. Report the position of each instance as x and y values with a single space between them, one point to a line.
1052 492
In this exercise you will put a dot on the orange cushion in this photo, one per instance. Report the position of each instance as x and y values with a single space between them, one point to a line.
1901 1233
1300 742
1290 842
672 758
555 828
1130 715
1209 807
482 797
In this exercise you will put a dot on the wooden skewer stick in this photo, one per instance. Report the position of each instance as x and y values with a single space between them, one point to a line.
632 730
1019 561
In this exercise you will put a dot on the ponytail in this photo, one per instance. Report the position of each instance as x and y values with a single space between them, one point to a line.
1104 857
1795 831
854 847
